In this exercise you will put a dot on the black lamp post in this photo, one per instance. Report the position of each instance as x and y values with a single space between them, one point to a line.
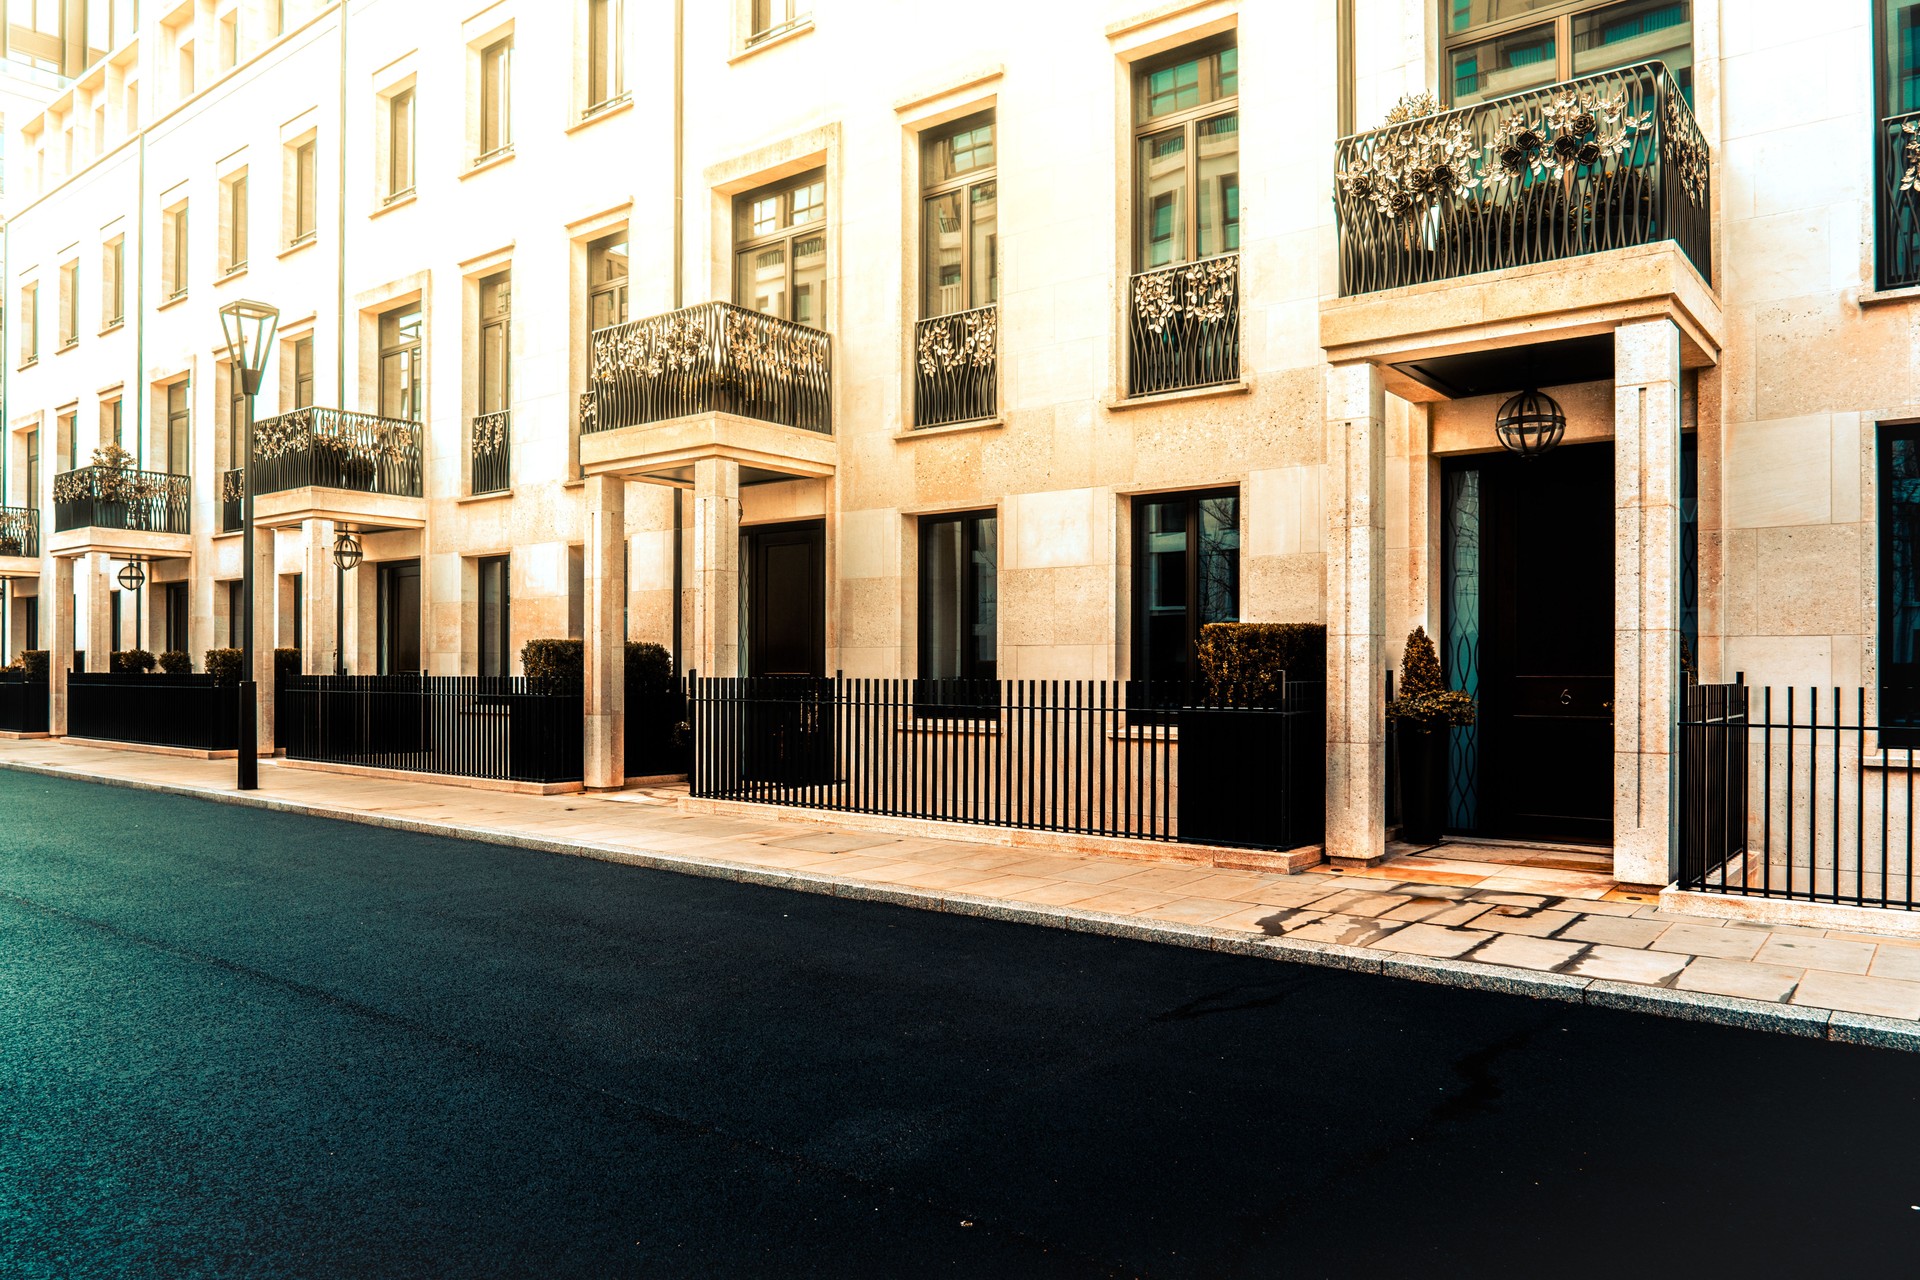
249 328
346 556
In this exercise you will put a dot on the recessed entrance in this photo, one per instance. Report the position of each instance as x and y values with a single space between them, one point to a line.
1527 626
785 632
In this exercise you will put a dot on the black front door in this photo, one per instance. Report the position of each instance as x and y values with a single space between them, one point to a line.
1529 628
399 617
786 594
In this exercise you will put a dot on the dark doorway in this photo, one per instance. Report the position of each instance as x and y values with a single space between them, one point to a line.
785 598
1528 628
399 618
174 600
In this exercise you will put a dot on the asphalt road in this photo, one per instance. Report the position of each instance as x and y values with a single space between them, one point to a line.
243 1044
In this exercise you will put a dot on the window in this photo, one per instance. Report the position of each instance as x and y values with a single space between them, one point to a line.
173 251
1186 573
70 304
399 144
113 287
110 423
32 496
607 281
496 82
302 372
66 431
230 42
305 219
771 17
1897 37
496 296
576 591
1899 499
29 324
233 224
399 617
959 594
495 606
179 427
133 108
402 379
183 79
236 611
1187 157
1497 47
780 253
173 598
296 583
606 64
959 218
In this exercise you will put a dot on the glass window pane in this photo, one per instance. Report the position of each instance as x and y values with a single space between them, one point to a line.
810 281
763 217
1218 562
986 597
1465 15
958 152
1190 82
1163 198
985 231
1164 549
1219 194
1900 54
809 203
942 579
1503 65
761 284
1621 35
944 254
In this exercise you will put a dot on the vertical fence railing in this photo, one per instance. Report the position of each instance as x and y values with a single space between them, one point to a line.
714 357
507 728
233 492
19 531
1897 211
1183 326
192 712
24 707
334 449
1090 757
103 497
492 451
956 362
1797 793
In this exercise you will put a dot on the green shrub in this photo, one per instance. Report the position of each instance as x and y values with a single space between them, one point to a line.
1422 696
1247 662
175 662
286 662
649 666
137 661
564 660
224 665
36 663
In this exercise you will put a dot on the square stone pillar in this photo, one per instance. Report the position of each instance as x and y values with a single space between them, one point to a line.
319 580
1646 551
56 612
100 637
266 613
1356 612
716 567
606 648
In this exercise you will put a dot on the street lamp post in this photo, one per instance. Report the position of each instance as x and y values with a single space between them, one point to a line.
346 556
249 329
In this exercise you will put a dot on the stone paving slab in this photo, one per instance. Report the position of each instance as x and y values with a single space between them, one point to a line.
1549 928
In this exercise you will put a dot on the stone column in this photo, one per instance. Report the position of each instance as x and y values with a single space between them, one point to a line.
1646 554
716 567
56 612
99 612
266 614
606 655
1356 612
319 581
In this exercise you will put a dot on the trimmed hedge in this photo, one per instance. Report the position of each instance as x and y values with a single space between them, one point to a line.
132 660
175 662
1246 662
224 665
286 662
555 660
37 663
649 666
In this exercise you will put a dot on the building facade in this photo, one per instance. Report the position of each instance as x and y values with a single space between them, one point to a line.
1047 339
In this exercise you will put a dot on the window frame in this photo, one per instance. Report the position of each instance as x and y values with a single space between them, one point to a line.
606 55
969 523
501 634
69 319
1139 658
402 133
760 30
1188 120
500 323
179 428
302 368
496 100
1559 15
1883 87
412 350
29 324
616 288
178 247
1892 733
306 197
787 234
32 467
233 208
963 183
113 285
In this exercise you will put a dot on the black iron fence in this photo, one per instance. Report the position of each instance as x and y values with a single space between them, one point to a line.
656 744
23 703
492 448
956 367
1795 793
1087 757
714 357
19 531
233 493
1897 212
335 449
188 711
122 498
1183 326
507 728
1602 162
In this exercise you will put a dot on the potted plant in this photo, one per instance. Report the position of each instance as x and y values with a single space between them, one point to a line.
1253 743
1421 713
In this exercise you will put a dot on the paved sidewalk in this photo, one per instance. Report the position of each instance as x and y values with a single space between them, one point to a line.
1534 922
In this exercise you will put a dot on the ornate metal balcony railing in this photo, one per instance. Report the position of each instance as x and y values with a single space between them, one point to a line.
956 362
588 413
1603 162
1897 231
103 497
233 492
337 450
492 450
19 531
714 357
1183 326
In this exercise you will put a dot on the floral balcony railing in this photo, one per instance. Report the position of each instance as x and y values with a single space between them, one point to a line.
1183 326
19 531
492 448
714 357
233 493
333 449
1603 162
1897 235
956 362
589 413
107 497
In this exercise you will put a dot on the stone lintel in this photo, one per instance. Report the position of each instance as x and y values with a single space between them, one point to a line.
654 448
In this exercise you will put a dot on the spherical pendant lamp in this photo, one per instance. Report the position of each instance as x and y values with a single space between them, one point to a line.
1530 424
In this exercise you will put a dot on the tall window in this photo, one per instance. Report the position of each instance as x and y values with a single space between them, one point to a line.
305 217
110 423
1899 498
233 213
960 218
959 596
179 426
1897 37
780 253
1497 47
771 17
1187 157
29 323
496 297
606 64
496 84
32 496
113 287
174 251
400 144
173 597
302 372
607 281
69 304
67 429
1186 558
402 378
495 625
398 619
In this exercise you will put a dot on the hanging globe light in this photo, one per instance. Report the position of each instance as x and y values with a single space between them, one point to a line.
1530 424
133 577
346 550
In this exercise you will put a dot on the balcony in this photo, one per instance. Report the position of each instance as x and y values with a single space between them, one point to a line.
956 368
233 492
19 539
122 511
1897 234
330 464
492 449
712 380
1183 326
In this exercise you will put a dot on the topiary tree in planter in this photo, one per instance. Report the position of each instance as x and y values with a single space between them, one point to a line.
175 662
224 665
1248 663
1421 713
557 660
133 661
37 663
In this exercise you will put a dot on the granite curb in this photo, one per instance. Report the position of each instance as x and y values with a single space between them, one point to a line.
1756 1015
